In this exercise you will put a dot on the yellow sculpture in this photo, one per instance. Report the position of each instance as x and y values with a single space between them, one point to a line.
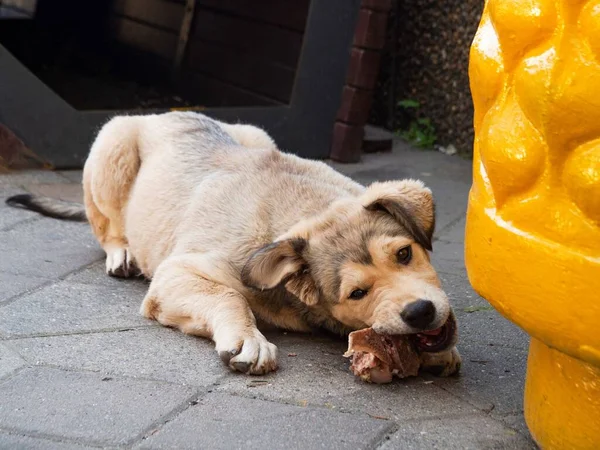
533 224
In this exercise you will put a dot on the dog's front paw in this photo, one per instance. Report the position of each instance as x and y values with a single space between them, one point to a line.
120 263
441 364
253 354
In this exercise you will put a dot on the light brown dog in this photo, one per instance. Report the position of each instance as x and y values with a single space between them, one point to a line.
230 230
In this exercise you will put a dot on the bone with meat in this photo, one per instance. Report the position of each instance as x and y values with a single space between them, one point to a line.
377 358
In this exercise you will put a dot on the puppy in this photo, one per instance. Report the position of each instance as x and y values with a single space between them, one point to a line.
231 230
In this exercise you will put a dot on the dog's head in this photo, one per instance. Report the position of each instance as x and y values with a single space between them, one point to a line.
365 261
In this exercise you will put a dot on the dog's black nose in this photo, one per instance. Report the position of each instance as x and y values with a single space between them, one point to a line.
418 314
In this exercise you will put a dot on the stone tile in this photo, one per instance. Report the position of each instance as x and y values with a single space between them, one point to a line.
10 216
461 294
515 421
229 422
13 285
89 407
494 351
159 353
450 203
489 328
492 378
47 248
67 191
70 307
96 274
465 433
14 442
9 361
319 375
479 322
449 257
22 177
74 175
454 232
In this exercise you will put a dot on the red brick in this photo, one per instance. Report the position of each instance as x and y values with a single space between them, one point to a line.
377 5
347 142
364 68
355 106
371 29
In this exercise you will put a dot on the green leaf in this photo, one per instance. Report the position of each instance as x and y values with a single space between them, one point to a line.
409 103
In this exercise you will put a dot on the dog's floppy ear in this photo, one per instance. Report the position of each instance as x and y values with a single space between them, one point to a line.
303 286
409 202
274 263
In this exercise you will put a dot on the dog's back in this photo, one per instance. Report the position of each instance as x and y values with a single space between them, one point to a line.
198 189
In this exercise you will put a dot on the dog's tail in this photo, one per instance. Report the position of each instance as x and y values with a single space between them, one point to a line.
50 207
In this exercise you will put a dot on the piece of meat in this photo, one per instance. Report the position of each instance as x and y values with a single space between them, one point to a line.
377 358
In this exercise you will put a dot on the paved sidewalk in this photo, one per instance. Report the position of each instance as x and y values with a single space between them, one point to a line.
80 368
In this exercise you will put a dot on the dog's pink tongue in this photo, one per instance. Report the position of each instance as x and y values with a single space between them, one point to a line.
435 332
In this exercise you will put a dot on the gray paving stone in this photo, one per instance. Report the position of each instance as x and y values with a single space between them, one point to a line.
96 274
9 361
465 433
448 257
11 216
461 294
479 322
515 421
454 232
47 248
19 183
494 351
491 329
228 422
16 442
431 412
448 205
492 378
159 353
319 375
68 307
67 191
87 407
22 177
13 285
74 175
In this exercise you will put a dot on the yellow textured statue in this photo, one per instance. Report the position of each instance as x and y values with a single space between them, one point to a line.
533 226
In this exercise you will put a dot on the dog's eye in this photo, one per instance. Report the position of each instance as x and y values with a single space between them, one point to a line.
357 294
404 255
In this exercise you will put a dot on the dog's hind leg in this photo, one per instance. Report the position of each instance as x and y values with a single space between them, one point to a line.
108 175
181 297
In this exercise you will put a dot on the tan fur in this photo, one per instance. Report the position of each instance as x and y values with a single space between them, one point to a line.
228 228
390 287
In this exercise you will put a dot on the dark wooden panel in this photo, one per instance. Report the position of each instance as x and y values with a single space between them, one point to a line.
162 13
265 41
241 69
62 135
285 13
210 92
143 37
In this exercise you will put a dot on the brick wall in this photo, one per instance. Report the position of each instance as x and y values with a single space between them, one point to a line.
363 72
